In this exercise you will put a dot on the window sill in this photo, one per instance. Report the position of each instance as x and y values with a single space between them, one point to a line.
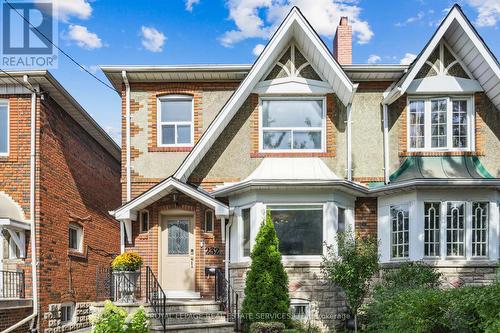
441 153
479 262
171 149
76 254
292 154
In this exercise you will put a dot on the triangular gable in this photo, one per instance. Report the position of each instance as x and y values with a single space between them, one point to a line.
294 26
470 51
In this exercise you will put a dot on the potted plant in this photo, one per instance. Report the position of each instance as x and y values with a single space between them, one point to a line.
126 272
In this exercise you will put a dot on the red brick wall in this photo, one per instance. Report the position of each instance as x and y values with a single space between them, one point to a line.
79 183
365 216
11 316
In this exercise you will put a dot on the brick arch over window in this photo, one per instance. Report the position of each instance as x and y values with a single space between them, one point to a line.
153 111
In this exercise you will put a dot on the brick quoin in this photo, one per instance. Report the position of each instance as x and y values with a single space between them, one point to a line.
365 216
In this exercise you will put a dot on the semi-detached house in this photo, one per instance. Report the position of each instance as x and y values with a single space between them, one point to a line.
410 154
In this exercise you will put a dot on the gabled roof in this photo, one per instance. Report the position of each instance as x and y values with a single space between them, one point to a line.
465 41
63 98
129 210
294 26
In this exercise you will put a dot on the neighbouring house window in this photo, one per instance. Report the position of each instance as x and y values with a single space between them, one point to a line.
440 123
341 219
455 229
479 229
299 229
292 124
75 237
4 127
175 121
301 309
245 215
67 312
144 221
400 231
209 221
431 228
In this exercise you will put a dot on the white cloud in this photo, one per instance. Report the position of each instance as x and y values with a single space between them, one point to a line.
114 133
488 12
152 39
190 4
407 59
257 50
260 18
92 68
372 59
84 38
65 9
420 15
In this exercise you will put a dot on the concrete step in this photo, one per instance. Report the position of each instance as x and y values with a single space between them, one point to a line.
181 318
174 306
196 328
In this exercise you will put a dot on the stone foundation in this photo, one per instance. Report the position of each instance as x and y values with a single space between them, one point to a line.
80 318
306 282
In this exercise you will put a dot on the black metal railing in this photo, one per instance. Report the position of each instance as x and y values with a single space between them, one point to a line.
228 298
156 297
104 283
12 284
118 287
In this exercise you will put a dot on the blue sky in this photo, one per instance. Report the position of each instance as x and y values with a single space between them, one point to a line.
232 31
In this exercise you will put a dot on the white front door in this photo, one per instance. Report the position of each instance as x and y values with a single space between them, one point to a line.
177 256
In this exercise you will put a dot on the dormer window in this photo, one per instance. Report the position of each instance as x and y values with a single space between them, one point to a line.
175 121
292 124
440 124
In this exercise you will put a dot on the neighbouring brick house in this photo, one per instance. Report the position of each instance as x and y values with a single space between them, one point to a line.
59 177
407 153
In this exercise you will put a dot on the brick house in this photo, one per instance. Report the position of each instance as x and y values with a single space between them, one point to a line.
407 153
59 177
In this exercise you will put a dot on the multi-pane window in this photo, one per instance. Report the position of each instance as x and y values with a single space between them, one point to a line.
479 229
4 127
417 124
431 228
175 120
440 124
245 214
455 229
209 221
299 229
399 231
292 124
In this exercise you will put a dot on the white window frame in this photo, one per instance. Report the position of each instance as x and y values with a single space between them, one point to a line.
242 232
486 242
72 307
440 227
79 236
301 302
449 123
391 244
445 226
324 228
159 123
211 213
302 129
141 230
5 102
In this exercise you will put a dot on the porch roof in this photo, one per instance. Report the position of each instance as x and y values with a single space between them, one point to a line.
11 214
129 210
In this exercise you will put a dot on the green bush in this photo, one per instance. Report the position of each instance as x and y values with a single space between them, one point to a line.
299 326
411 275
112 319
266 289
467 309
267 327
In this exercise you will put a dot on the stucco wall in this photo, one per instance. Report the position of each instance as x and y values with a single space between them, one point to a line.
490 128
367 135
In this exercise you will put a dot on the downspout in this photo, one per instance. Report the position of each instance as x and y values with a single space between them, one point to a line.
227 246
386 142
349 142
127 155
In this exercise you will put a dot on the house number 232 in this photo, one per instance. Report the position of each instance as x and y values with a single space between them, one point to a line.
212 251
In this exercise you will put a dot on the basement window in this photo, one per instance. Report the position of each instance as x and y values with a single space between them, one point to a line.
67 312
301 309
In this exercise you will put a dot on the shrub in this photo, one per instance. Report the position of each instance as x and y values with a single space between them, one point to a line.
299 326
267 327
127 262
266 289
411 275
467 309
352 265
112 319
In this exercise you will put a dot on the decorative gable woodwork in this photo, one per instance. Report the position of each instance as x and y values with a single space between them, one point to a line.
442 61
292 63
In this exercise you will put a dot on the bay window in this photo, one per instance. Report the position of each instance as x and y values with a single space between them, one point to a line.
455 229
175 121
400 230
432 229
4 128
440 123
479 229
245 214
299 228
292 124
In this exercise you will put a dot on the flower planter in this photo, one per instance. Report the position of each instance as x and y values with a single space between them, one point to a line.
125 286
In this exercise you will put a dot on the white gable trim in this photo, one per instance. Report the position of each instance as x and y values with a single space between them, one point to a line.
294 25
457 15
292 85
130 209
443 84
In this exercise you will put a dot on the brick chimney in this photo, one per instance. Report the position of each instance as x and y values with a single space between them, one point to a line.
342 43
